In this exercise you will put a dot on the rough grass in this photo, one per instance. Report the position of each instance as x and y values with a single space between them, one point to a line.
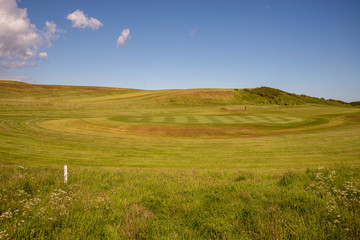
130 203
268 95
143 167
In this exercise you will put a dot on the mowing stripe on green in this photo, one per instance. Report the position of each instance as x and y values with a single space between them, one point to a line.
158 119
193 119
271 119
181 119
293 119
228 120
237 119
169 119
203 119
248 119
216 119
146 119
256 119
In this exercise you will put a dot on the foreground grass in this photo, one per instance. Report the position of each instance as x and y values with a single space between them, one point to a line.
178 204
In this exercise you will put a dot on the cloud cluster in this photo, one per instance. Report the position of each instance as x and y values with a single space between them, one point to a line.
51 33
20 40
125 34
16 64
43 55
80 20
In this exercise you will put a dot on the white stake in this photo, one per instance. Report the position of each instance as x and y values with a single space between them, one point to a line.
65 173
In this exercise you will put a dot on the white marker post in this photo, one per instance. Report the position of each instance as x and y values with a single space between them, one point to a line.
65 173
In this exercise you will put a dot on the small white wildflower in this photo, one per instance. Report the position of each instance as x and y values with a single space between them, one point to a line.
61 191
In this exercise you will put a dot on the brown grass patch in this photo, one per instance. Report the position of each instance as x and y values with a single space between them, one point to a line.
191 131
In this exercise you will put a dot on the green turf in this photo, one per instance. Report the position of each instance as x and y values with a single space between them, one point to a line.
176 164
214 119
117 127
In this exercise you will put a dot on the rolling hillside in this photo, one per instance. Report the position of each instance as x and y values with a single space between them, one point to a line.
255 96
176 164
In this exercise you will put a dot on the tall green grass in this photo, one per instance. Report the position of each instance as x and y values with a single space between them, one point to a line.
184 204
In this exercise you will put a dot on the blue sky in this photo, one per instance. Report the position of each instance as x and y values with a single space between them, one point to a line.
306 47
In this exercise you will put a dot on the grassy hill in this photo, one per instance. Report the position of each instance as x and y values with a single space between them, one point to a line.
266 95
176 164
261 95
14 89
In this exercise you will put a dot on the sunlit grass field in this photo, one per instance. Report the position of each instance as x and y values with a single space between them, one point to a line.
175 164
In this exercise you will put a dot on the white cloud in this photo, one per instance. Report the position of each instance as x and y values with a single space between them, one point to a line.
125 35
43 55
80 20
16 64
51 33
192 32
20 40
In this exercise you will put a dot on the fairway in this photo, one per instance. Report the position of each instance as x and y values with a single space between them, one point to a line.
84 126
214 119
